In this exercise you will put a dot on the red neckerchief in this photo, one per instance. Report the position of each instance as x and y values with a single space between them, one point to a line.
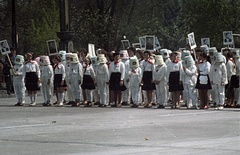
115 63
149 61
56 66
176 61
231 59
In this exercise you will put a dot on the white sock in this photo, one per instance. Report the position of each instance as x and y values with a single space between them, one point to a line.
31 98
34 97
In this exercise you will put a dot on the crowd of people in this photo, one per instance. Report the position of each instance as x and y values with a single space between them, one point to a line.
130 77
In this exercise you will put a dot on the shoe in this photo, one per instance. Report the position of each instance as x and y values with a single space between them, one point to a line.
161 106
134 106
97 103
148 106
55 103
60 104
18 104
119 105
124 103
219 108
32 104
237 106
114 105
204 107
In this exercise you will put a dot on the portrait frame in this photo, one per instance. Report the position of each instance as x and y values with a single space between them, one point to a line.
236 39
52 47
91 50
150 42
70 47
191 40
4 47
228 38
125 44
157 44
142 41
205 41
136 45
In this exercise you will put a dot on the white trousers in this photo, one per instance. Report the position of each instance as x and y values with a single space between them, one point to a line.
126 93
19 90
46 89
190 94
161 91
75 86
102 90
219 94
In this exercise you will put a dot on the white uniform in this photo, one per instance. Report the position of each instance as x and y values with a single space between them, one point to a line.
47 82
18 83
69 90
102 77
160 76
218 77
126 93
189 79
76 74
135 78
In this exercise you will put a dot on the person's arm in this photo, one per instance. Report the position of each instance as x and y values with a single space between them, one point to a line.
122 71
224 74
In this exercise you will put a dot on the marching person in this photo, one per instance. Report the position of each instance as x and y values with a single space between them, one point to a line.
147 80
75 78
135 78
116 84
63 61
32 78
88 84
218 78
59 79
203 81
189 82
46 79
18 80
67 79
160 80
174 77
102 76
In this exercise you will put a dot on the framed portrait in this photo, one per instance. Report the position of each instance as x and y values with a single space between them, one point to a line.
4 48
236 39
125 44
227 38
157 44
150 42
70 47
191 40
142 41
205 41
136 45
91 50
52 47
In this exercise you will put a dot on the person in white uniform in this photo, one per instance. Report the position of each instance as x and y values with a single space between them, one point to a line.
135 78
18 80
63 61
102 76
69 91
189 82
46 79
160 80
76 78
218 78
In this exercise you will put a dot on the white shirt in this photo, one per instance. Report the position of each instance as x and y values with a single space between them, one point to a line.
147 65
160 73
117 68
60 69
31 66
102 72
174 67
189 75
18 70
76 69
88 70
46 71
218 73
231 69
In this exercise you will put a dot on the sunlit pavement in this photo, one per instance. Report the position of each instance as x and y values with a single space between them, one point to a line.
116 131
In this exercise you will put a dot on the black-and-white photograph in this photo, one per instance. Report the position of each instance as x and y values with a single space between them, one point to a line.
157 44
227 38
125 44
191 40
70 47
4 48
52 47
136 45
142 41
236 39
205 41
150 42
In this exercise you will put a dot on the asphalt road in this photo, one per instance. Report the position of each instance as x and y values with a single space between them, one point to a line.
116 131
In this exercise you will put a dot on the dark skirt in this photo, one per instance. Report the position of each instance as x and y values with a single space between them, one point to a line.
31 81
147 81
57 81
203 86
114 83
174 82
88 82
234 82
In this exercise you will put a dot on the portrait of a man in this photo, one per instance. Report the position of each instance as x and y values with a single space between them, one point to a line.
205 41
227 38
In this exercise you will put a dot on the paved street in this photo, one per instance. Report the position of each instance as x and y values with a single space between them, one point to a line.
116 131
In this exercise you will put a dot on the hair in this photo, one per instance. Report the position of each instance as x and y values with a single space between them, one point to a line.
204 55
148 52
132 49
116 53
229 55
57 57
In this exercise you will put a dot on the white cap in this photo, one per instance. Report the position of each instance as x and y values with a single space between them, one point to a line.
19 59
63 55
205 48
124 54
188 61
185 53
165 53
44 60
74 58
235 53
159 60
218 57
68 57
212 51
134 62
101 58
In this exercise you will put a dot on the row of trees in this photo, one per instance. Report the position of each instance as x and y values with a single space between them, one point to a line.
105 22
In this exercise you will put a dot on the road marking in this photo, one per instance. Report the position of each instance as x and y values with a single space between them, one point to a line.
22 126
